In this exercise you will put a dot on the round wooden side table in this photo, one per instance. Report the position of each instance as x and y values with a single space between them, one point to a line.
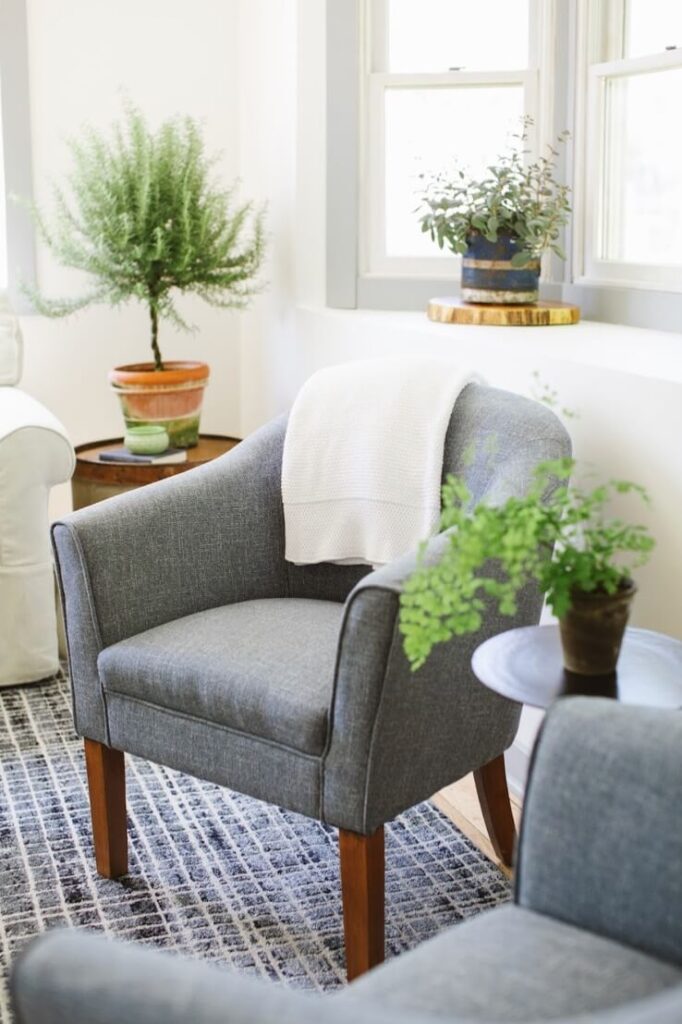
94 480
526 666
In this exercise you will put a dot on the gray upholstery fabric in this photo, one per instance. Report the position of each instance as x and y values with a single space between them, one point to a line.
82 634
264 668
195 541
79 978
398 736
515 965
143 571
323 582
258 767
495 439
198 540
602 829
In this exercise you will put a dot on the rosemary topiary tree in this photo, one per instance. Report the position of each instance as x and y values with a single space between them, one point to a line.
144 218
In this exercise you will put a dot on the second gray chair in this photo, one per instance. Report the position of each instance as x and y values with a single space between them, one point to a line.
193 643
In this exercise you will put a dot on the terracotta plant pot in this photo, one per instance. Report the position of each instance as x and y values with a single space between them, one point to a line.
592 630
171 397
489 277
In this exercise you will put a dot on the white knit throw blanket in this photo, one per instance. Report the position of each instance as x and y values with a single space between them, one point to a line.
363 459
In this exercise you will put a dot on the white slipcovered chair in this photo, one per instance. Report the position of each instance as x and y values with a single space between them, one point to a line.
35 454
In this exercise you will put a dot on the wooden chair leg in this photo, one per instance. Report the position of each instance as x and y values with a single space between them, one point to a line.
362 887
107 787
493 796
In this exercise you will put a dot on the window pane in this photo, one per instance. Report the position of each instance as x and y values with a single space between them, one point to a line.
642 186
435 35
652 25
428 129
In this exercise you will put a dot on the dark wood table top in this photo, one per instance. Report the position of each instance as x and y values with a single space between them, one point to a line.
526 665
88 466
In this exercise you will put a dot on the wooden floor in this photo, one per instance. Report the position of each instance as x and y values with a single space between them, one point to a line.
460 803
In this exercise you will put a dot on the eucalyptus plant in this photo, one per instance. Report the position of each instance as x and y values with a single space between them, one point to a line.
564 542
514 197
143 217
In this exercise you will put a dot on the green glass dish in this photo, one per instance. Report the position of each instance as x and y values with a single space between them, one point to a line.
146 440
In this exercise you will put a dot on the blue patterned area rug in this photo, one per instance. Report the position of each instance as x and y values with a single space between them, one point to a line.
213 874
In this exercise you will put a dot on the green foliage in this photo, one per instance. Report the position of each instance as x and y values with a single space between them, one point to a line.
557 535
523 200
144 219
543 392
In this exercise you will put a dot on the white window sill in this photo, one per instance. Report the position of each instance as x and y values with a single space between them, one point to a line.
637 351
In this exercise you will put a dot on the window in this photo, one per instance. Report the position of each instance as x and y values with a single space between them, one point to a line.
444 81
633 205
17 244
413 85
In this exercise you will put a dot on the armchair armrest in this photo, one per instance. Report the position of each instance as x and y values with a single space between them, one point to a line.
601 839
207 537
71 977
396 736
35 454
20 411
81 978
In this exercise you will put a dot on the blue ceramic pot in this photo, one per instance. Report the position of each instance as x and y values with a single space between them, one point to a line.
488 276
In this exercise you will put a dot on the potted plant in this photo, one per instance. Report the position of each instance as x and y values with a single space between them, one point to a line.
145 220
500 224
581 559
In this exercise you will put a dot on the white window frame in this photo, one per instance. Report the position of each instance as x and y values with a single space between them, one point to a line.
601 32
15 124
535 81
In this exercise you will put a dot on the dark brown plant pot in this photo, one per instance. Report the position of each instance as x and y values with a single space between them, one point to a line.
592 630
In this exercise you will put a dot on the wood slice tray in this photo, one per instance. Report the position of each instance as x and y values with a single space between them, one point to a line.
540 314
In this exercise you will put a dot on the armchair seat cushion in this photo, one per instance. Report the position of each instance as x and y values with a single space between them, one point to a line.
514 965
265 668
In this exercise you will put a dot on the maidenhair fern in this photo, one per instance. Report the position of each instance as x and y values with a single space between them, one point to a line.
557 534
143 217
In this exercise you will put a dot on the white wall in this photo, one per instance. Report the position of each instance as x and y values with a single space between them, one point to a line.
267 145
168 57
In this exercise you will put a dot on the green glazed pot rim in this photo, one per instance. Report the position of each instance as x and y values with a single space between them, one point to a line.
146 430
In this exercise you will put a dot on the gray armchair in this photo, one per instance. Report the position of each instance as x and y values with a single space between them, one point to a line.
193 643
594 933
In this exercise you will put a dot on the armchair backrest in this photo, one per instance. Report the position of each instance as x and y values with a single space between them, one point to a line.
494 441
601 837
